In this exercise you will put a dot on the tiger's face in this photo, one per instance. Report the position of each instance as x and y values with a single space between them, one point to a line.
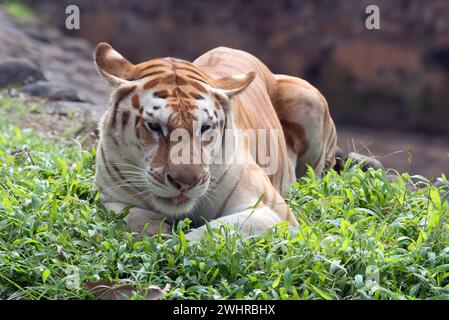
165 125
176 130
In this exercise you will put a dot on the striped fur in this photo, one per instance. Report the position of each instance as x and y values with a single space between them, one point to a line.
223 89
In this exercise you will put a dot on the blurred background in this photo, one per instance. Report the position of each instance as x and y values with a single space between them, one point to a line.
387 89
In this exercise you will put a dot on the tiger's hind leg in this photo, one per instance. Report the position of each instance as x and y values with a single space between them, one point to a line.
308 127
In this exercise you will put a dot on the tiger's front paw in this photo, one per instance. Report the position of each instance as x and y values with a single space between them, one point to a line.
195 234
154 228
149 226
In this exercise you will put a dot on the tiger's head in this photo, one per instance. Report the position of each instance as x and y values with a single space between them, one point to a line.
165 121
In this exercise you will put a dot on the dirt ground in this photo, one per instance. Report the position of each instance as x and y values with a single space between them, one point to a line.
411 152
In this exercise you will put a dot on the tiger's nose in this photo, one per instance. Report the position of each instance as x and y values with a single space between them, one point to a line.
183 181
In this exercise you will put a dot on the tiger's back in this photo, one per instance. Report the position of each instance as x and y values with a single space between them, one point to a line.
270 104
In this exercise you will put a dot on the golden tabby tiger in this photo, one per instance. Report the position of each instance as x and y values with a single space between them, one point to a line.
165 111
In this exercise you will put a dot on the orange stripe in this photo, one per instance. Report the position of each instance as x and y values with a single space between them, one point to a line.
152 73
198 87
163 94
195 78
135 102
150 84
201 75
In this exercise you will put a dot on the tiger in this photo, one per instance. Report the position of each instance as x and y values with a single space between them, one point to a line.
223 91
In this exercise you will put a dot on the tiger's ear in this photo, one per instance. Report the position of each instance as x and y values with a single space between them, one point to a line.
112 65
233 85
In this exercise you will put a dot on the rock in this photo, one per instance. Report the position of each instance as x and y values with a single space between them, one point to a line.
19 71
52 91
59 59
368 162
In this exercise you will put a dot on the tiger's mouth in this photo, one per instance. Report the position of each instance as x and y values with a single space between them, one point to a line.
174 201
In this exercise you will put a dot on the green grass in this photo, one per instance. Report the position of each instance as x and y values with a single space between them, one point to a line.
361 237
17 10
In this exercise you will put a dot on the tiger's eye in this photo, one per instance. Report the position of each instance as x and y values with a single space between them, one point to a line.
205 127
